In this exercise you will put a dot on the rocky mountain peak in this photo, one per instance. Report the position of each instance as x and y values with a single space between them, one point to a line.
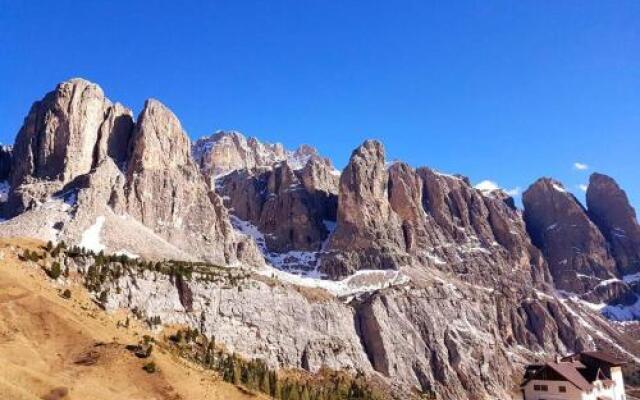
226 151
575 249
609 208
81 163
159 141
367 230
319 175
59 135
64 136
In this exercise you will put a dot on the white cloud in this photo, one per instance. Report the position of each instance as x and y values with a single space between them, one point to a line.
513 192
487 186
583 187
580 166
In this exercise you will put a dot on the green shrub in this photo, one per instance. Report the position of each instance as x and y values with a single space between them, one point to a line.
150 367
55 270
66 294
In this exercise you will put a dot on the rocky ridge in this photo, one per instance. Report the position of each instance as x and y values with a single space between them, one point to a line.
395 333
414 246
227 151
288 197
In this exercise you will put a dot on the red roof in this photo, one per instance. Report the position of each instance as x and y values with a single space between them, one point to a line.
605 357
578 369
571 374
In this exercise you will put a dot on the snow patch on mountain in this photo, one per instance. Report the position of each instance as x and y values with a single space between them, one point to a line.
91 237
298 262
247 228
300 267
360 282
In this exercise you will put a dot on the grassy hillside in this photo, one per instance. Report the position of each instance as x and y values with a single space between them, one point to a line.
58 348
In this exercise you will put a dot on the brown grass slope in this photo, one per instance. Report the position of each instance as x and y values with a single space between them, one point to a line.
57 349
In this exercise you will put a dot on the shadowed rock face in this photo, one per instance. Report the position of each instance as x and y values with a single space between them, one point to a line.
290 196
6 153
609 208
575 249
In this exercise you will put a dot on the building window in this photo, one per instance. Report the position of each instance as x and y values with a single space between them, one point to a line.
562 389
541 388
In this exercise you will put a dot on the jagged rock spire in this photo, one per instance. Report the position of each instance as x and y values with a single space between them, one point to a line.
575 249
610 209
61 136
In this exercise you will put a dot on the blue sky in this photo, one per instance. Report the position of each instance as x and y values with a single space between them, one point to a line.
501 90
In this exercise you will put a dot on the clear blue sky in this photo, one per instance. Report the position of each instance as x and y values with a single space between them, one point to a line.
501 90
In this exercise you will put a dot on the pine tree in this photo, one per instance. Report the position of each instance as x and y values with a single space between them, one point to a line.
55 271
305 394
265 386
294 393
276 386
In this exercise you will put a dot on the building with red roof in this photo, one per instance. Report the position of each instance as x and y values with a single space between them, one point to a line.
592 375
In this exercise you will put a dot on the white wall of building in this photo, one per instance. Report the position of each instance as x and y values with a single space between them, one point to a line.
572 392
614 392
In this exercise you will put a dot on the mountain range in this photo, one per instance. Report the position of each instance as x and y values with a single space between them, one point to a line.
409 275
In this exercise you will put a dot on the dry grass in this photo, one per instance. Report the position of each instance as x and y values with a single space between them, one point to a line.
314 295
58 349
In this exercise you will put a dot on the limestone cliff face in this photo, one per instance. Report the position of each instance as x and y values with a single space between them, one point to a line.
290 207
58 137
289 196
434 333
80 161
368 232
228 151
609 208
575 249
63 137
166 192
390 216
